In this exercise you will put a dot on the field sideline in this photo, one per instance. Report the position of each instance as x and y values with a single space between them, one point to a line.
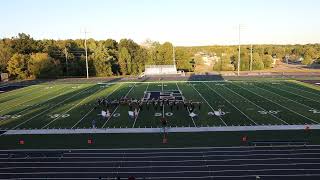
243 103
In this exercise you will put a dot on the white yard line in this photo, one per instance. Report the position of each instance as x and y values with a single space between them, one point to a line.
231 104
292 101
93 108
65 112
23 102
187 109
300 89
49 108
278 104
31 106
207 103
31 100
135 119
256 105
83 117
10 93
117 107
293 94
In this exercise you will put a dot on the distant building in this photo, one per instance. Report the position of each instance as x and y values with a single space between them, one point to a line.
4 77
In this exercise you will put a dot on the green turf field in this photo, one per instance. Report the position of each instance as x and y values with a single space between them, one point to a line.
52 105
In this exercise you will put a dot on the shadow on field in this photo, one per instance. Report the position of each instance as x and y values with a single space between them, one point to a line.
205 77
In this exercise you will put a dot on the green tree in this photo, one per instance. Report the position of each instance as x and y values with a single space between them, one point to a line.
223 64
17 66
24 44
267 61
141 58
164 55
125 61
244 61
101 63
257 63
183 60
307 60
5 55
41 65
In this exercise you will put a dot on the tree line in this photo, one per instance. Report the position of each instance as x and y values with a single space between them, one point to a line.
262 55
24 57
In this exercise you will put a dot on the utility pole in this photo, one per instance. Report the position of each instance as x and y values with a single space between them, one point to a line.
251 58
66 54
85 47
239 53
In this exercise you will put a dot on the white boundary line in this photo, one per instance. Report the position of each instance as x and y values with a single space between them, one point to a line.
207 103
276 103
117 107
51 107
160 161
157 130
154 166
158 172
93 108
187 108
198 177
135 119
177 148
230 103
100 89
218 81
255 104
202 157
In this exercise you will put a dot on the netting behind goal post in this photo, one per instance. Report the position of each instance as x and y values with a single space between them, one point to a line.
160 69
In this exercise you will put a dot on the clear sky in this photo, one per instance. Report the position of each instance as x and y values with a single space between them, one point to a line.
183 22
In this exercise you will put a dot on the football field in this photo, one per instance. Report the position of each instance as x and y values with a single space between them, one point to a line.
215 104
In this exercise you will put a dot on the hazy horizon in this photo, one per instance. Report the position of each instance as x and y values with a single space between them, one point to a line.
184 23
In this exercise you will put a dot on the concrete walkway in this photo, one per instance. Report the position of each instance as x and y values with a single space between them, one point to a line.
158 130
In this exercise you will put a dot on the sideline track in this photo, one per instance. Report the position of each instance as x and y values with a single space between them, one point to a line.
240 162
